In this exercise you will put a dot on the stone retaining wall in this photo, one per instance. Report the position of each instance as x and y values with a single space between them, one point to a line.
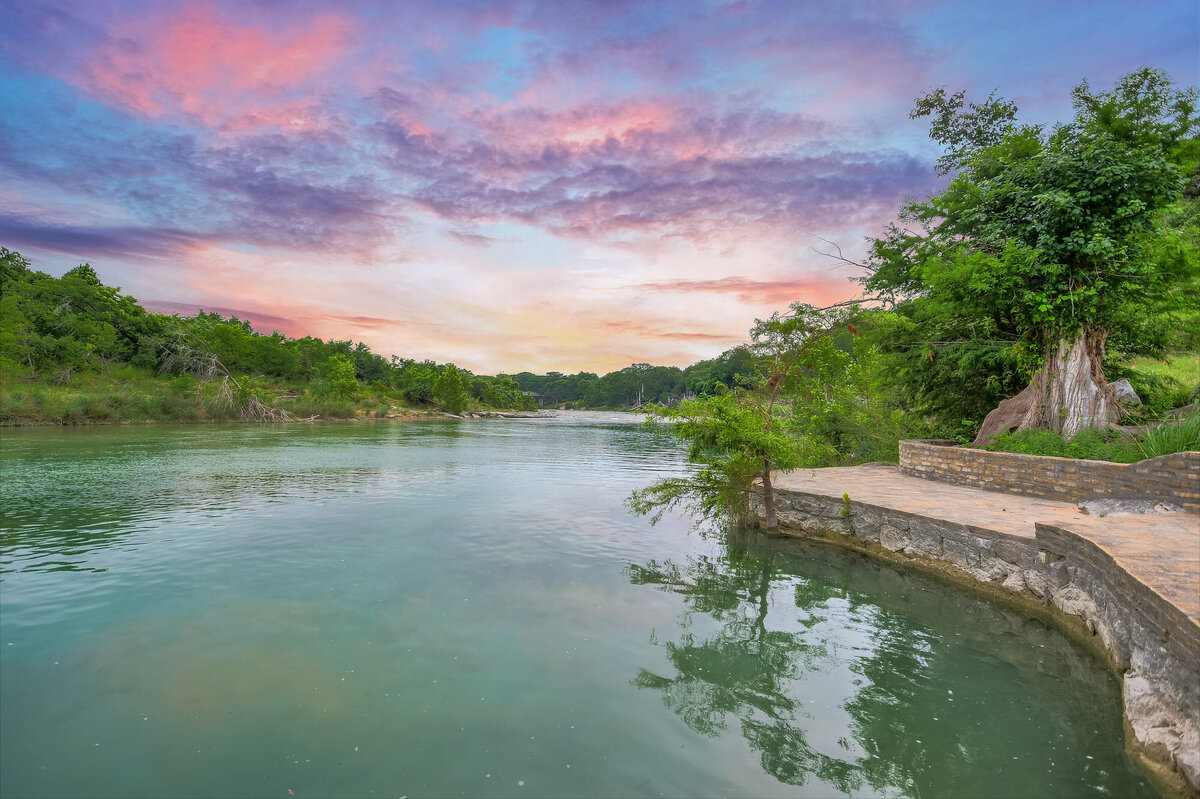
1154 644
1173 478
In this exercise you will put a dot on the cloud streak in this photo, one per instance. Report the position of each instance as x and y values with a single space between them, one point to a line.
771 292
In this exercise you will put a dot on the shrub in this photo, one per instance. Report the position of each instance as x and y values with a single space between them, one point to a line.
148 407
340 373
418 394
75 410
182 384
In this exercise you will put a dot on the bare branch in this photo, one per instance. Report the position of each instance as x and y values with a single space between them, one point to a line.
839 256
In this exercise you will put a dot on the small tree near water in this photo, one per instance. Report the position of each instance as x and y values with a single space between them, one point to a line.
736 438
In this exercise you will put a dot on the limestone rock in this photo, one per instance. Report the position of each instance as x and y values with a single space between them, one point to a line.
1159 727
893 539
1036 582
960 554
1073 602
1014 582
1124 392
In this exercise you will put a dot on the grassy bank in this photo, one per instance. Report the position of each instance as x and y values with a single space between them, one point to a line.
131 394
1183 367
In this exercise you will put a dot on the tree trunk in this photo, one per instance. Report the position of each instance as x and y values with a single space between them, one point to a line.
768 496
1067 396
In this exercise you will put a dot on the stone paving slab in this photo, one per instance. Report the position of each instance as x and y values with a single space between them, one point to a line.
887 487
1160 550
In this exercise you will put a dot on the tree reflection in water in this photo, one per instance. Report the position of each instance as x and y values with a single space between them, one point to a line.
744 670
897 683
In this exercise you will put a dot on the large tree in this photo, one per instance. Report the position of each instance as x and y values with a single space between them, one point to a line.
1046 240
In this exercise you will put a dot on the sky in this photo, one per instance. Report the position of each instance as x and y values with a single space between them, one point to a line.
528 185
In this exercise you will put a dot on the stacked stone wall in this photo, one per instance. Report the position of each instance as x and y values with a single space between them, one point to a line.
1170 478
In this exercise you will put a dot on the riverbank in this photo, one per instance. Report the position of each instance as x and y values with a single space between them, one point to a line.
1126 584
630 417
130 396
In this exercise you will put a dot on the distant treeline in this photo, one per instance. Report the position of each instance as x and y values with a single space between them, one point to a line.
639 383
53 330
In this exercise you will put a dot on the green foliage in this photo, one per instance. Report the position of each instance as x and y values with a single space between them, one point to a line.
962 128
1144 109
727 444
503 391
56 332
131 394
340 374
1160 386
449 392
1088 444
638 383
13 267
321 388
789 417
419 394
322 408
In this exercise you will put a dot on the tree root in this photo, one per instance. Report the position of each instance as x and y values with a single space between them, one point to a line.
1068 395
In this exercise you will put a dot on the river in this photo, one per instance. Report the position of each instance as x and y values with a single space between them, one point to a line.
467 609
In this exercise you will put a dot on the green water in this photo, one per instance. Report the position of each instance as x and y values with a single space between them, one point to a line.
466 609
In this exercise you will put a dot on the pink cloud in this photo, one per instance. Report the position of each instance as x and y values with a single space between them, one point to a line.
228 75
818 291
635 328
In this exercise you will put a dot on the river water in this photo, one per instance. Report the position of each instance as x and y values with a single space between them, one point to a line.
466 609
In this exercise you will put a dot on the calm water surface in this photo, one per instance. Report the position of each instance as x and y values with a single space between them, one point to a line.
466 609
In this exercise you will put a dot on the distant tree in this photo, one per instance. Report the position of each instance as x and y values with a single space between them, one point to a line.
14 267
448 390
19 338
638 372
340 374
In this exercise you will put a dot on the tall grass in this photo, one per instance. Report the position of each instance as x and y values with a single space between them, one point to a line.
1170 437
321 408
128 395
